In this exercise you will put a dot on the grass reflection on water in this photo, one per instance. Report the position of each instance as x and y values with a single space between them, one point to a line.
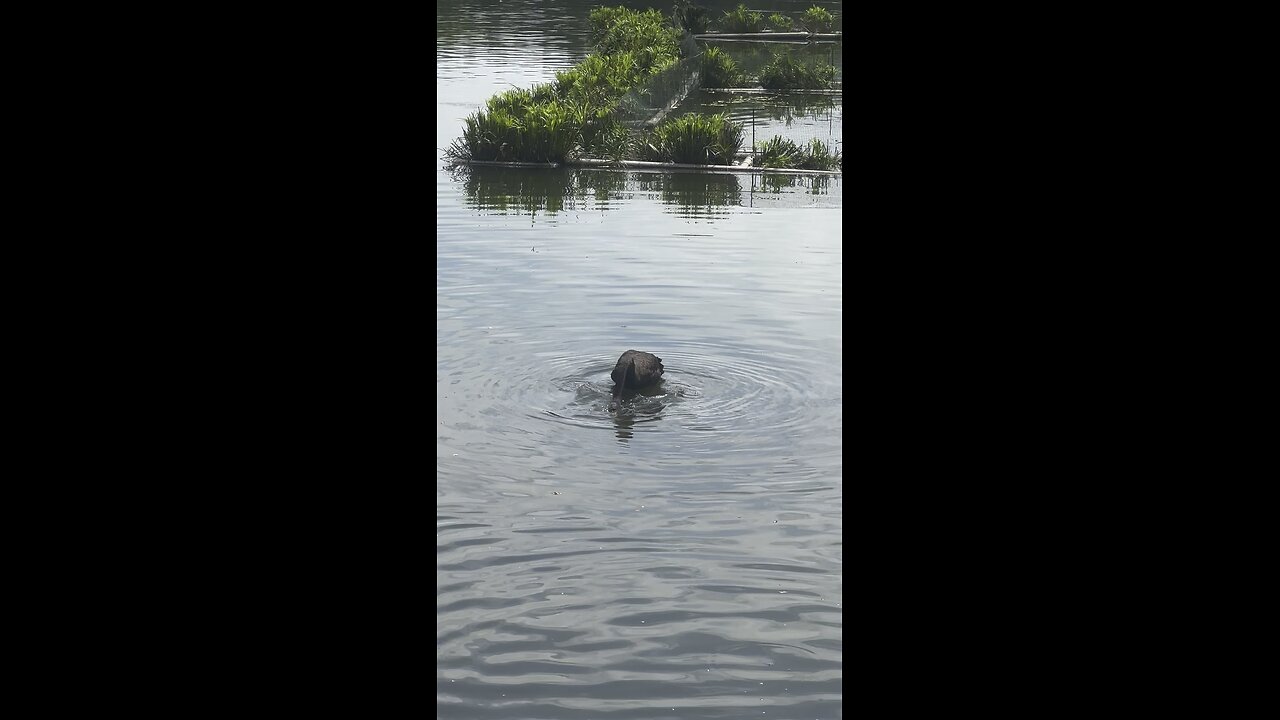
529 191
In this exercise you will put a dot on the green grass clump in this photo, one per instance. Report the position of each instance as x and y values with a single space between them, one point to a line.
696 139
603 18
599 80
742 20
604 137
617 30
780 22
779 152
545 133
516 100
818 20
719 70
784 73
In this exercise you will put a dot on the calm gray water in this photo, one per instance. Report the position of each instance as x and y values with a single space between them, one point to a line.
683 558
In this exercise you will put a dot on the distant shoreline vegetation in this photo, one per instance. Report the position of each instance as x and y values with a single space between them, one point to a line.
576 114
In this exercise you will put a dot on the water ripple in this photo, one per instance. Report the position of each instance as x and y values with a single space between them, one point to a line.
681 558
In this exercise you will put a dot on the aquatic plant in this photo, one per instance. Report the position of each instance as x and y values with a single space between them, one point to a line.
780 22
602 18
545 133
780 152
817 20
719 70
783 72
605 137
616 30
514 99
742 20
599 79
694 138
552 122
821 157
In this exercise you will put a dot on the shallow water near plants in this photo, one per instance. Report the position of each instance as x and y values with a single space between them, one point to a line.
681 558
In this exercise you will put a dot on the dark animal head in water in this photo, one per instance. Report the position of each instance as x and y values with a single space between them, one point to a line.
635 369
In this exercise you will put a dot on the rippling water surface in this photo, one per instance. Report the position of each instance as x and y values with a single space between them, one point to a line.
678 559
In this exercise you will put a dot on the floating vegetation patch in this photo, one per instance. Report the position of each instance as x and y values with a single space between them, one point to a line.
785 73
599 80
779 152
696 139
780 22
818 20
719 70
634 77
541 133
616 30
606 138
553 122
742 20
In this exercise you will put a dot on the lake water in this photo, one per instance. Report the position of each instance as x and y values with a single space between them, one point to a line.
681 558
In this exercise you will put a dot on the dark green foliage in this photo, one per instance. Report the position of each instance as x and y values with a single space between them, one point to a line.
719 70
784 73
616 30
604 137
821 157
742 20
576 113
599 79
780 22
691 18
818 20
779 152
603 18
516 100
696 139
546 132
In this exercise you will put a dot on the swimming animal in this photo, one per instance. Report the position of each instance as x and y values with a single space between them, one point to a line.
635 369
